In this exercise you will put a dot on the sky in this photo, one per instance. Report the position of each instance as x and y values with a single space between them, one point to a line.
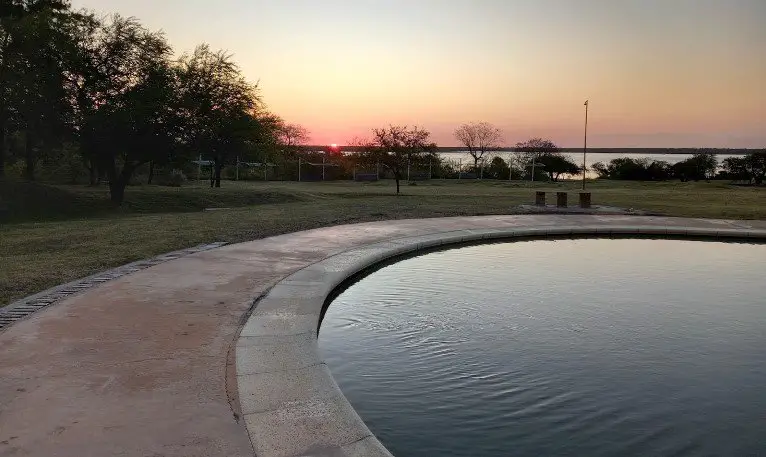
658 73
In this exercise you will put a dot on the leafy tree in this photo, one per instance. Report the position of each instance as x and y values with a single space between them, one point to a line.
397 147
750 168
125 92
757 165
736 169
557 164
532 152
601 170
498 169
699 166
220 108
479 138
627 168
33 35
634 169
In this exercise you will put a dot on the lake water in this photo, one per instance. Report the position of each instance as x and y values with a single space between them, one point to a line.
625 347
464 161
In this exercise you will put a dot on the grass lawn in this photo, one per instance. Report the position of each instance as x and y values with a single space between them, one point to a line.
54 234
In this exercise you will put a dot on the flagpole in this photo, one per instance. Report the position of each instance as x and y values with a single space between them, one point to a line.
585 147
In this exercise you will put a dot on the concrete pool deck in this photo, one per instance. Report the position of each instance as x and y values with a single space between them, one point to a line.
144 365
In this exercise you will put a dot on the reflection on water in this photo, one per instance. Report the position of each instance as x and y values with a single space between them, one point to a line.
572 347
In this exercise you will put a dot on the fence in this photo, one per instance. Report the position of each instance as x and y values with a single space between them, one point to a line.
317 167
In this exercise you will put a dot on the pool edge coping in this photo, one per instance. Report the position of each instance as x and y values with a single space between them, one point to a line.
290 402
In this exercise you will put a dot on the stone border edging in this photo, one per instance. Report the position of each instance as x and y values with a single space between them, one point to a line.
21 309
291 404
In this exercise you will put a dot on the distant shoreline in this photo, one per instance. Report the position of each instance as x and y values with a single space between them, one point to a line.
689 151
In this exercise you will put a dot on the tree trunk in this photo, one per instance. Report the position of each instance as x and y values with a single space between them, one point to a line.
118 182
218 167
29 156
151 172
93 173
397 177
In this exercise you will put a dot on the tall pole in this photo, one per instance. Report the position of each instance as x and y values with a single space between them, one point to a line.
585 147
323 158
299 169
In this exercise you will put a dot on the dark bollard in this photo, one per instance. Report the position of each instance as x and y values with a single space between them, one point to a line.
561 199
584 199
540 198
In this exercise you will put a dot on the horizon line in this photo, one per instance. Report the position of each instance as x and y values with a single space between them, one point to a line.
596 150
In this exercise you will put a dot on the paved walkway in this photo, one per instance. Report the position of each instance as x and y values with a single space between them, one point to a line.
143 365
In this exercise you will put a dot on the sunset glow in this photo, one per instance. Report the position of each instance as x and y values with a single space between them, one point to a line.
658 73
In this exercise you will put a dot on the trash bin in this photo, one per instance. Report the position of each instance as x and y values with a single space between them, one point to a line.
540 198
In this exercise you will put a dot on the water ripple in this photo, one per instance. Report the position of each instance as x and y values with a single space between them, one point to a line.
516 349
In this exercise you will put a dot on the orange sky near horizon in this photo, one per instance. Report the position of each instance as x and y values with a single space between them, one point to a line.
658 73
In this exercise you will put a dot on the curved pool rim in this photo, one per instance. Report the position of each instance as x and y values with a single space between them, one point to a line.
286 390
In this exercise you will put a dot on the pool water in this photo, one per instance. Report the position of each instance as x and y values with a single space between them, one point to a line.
597 347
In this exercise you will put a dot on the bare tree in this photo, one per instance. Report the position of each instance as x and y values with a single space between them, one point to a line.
479 138
396 147
292 135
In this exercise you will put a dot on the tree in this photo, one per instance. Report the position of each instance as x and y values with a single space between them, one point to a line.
33 36
634 169
498 169
479 138
396 148
555 164
529 152
757 165
699 166
601 169
11 38
220 108
750 168
292 135
126 96
736 169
